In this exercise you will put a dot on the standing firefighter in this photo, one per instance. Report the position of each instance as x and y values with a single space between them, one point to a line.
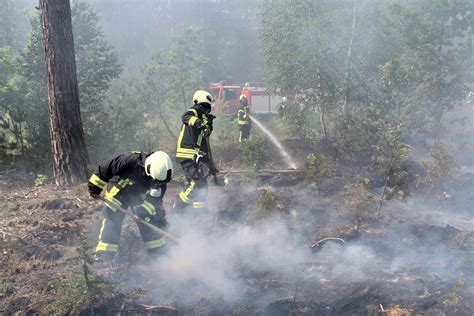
137 180
193 152
243 119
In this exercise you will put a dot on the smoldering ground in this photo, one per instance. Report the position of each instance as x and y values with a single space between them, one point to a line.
235 263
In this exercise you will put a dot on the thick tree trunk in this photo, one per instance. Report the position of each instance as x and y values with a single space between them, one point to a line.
70 156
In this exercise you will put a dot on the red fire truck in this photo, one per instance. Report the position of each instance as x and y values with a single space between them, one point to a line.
227 98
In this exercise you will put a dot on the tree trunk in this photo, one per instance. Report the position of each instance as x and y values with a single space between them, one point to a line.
70 156
345 104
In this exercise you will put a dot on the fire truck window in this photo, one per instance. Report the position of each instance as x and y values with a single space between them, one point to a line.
230 94
215 93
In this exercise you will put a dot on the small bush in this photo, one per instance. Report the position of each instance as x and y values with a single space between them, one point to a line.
359 200
440 172
41 179
253 153
319 168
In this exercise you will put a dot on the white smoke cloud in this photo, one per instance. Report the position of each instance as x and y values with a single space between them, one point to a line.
224 262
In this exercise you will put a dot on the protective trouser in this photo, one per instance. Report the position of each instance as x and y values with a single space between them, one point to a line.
110 231
195 193
244 133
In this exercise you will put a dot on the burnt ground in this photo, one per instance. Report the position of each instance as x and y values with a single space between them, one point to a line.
417 260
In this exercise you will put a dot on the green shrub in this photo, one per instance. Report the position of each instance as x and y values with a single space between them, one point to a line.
253 153
41 179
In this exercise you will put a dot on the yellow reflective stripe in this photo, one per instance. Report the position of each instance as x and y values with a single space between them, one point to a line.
109 195
199 140
114 205
192 120
124 182
194 111
112 192
180 138
155 243
102 246
184 198
184 195
95 180
191 187
199 205
102 228
150 208
187 156
243 122
187 151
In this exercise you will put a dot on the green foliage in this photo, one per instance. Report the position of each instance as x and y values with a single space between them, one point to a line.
23 86
225 141
267 199
7 207
253 153
97 66
13 25
176 73
319 168
41 179
407 72
441 169
431 71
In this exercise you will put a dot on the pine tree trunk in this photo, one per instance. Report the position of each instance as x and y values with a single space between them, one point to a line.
70 156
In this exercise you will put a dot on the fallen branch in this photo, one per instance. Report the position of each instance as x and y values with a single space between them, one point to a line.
7 171
316 244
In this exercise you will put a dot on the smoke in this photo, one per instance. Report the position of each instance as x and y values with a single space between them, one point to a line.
226 262
215 261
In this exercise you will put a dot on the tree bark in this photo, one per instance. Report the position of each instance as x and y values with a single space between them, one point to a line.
70 156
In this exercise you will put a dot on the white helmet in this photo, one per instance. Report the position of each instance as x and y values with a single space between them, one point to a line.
159 166
201 96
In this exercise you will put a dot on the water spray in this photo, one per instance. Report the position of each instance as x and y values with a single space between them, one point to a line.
286 156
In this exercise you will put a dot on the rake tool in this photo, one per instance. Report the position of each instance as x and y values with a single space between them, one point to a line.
139 220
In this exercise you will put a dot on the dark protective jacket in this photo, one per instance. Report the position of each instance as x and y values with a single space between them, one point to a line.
191 138
126 179
243 113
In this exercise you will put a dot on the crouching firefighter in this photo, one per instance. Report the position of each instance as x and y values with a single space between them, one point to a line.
137 180
243 119
193 152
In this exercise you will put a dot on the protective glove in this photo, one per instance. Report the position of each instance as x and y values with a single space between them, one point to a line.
207 130
94 190
210 117
198 123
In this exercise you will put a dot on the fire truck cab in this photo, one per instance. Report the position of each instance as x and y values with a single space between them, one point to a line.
259 100
227 98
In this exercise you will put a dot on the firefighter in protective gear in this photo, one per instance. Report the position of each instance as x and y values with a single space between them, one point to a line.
138 180
243 119
193 152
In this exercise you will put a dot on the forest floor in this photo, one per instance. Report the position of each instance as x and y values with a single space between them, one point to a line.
257 251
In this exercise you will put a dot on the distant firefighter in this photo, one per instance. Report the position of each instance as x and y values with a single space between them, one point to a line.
193 152
138 180
243 119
